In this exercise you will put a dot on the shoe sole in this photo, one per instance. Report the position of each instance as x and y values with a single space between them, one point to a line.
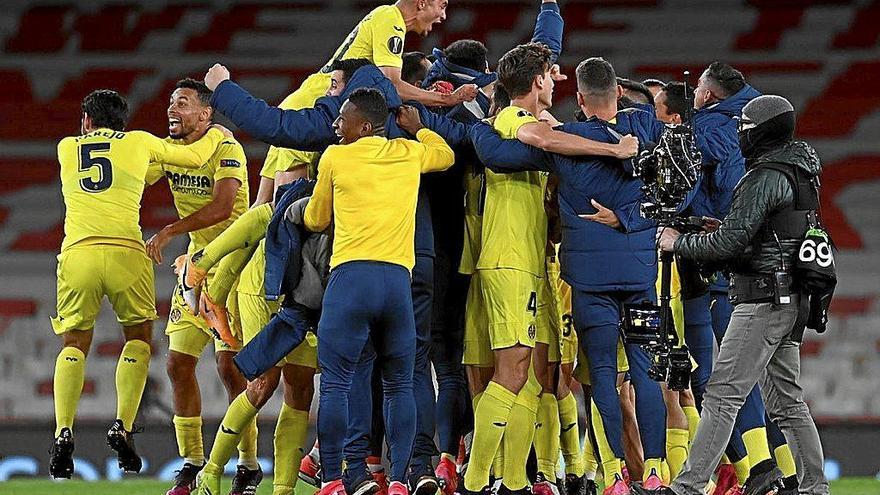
427 486
124 453
369 487
312 480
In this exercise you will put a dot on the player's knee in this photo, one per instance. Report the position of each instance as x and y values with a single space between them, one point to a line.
298 392
141 331
260 390
180 367
80 339
229 374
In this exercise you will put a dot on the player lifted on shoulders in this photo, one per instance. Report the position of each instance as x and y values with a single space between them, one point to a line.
103 173
379 38
208 200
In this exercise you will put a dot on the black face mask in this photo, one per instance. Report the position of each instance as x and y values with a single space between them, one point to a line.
766 137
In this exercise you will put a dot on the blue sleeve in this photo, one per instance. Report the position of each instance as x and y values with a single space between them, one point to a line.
549 28
507 155
308 129
452 131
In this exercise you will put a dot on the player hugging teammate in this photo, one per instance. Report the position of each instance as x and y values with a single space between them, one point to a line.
352 263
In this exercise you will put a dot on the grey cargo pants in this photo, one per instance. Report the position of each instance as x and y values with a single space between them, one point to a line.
755 347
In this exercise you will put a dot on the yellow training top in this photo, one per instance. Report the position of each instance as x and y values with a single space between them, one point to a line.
369 189
514 233
103 175
194 189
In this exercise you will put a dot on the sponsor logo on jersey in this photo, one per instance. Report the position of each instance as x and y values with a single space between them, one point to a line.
198 185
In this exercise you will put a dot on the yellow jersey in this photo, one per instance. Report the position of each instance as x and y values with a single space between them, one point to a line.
379 38
193 189
369 189
474 196
514 232
103 175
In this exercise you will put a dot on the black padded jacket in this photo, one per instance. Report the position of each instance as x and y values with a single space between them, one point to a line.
743 243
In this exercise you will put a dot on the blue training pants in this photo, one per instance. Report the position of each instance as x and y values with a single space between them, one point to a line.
366 300
597 317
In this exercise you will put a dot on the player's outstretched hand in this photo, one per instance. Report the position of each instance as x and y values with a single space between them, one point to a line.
465 92
556 73
603 215
409 120
628 147
156 244
226 132
216 75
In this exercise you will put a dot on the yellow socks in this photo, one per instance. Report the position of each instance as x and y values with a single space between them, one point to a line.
569 436
610 463
676 450
188 431
693 416
131 376
653 466
785 460
247 446
547 435
290 437
490 419
239 416
70 374
520 433
742 468
756 445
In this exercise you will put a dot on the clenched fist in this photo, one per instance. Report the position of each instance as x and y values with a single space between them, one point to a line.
216 75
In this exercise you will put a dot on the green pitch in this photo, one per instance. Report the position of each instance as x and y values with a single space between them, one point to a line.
846 486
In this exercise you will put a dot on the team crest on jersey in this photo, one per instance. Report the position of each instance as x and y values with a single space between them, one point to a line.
395 44
533 332
230 163
174 316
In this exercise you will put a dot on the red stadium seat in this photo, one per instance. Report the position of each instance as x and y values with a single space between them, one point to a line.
23 172
835 178
16 86
47 240
17 307
838 109
864 31
106 29
45 388
772 23
41 30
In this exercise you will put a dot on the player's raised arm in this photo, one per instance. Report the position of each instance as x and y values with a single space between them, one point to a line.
507 155
541 135
550 27
190 155
319 211
407 91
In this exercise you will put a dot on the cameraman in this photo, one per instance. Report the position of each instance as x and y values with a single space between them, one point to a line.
758 240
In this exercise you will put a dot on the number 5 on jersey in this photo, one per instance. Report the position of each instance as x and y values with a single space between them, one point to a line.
88 160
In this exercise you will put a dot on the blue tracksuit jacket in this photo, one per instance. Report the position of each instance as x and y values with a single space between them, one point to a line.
594 258
723 163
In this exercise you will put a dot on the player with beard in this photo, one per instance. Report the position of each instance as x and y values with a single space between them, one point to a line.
207 200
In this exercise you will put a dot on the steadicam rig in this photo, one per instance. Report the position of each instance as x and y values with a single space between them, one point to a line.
669 171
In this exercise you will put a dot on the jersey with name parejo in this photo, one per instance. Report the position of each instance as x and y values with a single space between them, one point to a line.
103 174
